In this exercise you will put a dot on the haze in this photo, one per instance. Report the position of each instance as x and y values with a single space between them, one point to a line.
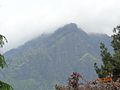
21 20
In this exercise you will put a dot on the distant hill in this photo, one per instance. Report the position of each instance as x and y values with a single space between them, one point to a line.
44 61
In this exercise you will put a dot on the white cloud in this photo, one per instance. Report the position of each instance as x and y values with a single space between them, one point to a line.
22 19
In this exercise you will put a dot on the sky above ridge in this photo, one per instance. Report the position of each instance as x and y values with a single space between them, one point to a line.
21 20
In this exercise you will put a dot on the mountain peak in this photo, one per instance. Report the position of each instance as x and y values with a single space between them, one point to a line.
71 27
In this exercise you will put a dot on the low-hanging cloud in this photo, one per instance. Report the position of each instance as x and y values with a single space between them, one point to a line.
21 20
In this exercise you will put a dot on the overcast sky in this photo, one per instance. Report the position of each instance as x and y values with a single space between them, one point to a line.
21 20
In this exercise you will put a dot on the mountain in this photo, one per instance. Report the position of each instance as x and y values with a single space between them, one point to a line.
49 59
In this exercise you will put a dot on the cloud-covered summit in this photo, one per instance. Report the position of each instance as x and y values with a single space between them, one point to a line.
24 19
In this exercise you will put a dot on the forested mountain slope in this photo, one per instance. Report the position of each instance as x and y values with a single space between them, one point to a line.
44 61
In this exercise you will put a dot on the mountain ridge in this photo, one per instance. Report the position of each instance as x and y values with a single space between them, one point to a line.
53 57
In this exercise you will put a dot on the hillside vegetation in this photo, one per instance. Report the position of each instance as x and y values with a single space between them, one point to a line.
44 61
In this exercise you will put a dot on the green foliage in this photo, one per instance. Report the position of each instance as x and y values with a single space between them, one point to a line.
2 61
111 62
106 67
3 86
116 39
2 40
116 56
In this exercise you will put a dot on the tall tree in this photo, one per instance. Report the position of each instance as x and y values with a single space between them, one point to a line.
111 62
3 85
116 56
107 67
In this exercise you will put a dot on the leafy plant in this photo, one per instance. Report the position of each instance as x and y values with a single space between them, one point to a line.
3 85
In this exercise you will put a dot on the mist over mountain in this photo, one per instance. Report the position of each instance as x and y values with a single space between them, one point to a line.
49 59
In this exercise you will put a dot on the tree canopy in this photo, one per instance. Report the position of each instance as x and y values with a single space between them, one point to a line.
111 62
